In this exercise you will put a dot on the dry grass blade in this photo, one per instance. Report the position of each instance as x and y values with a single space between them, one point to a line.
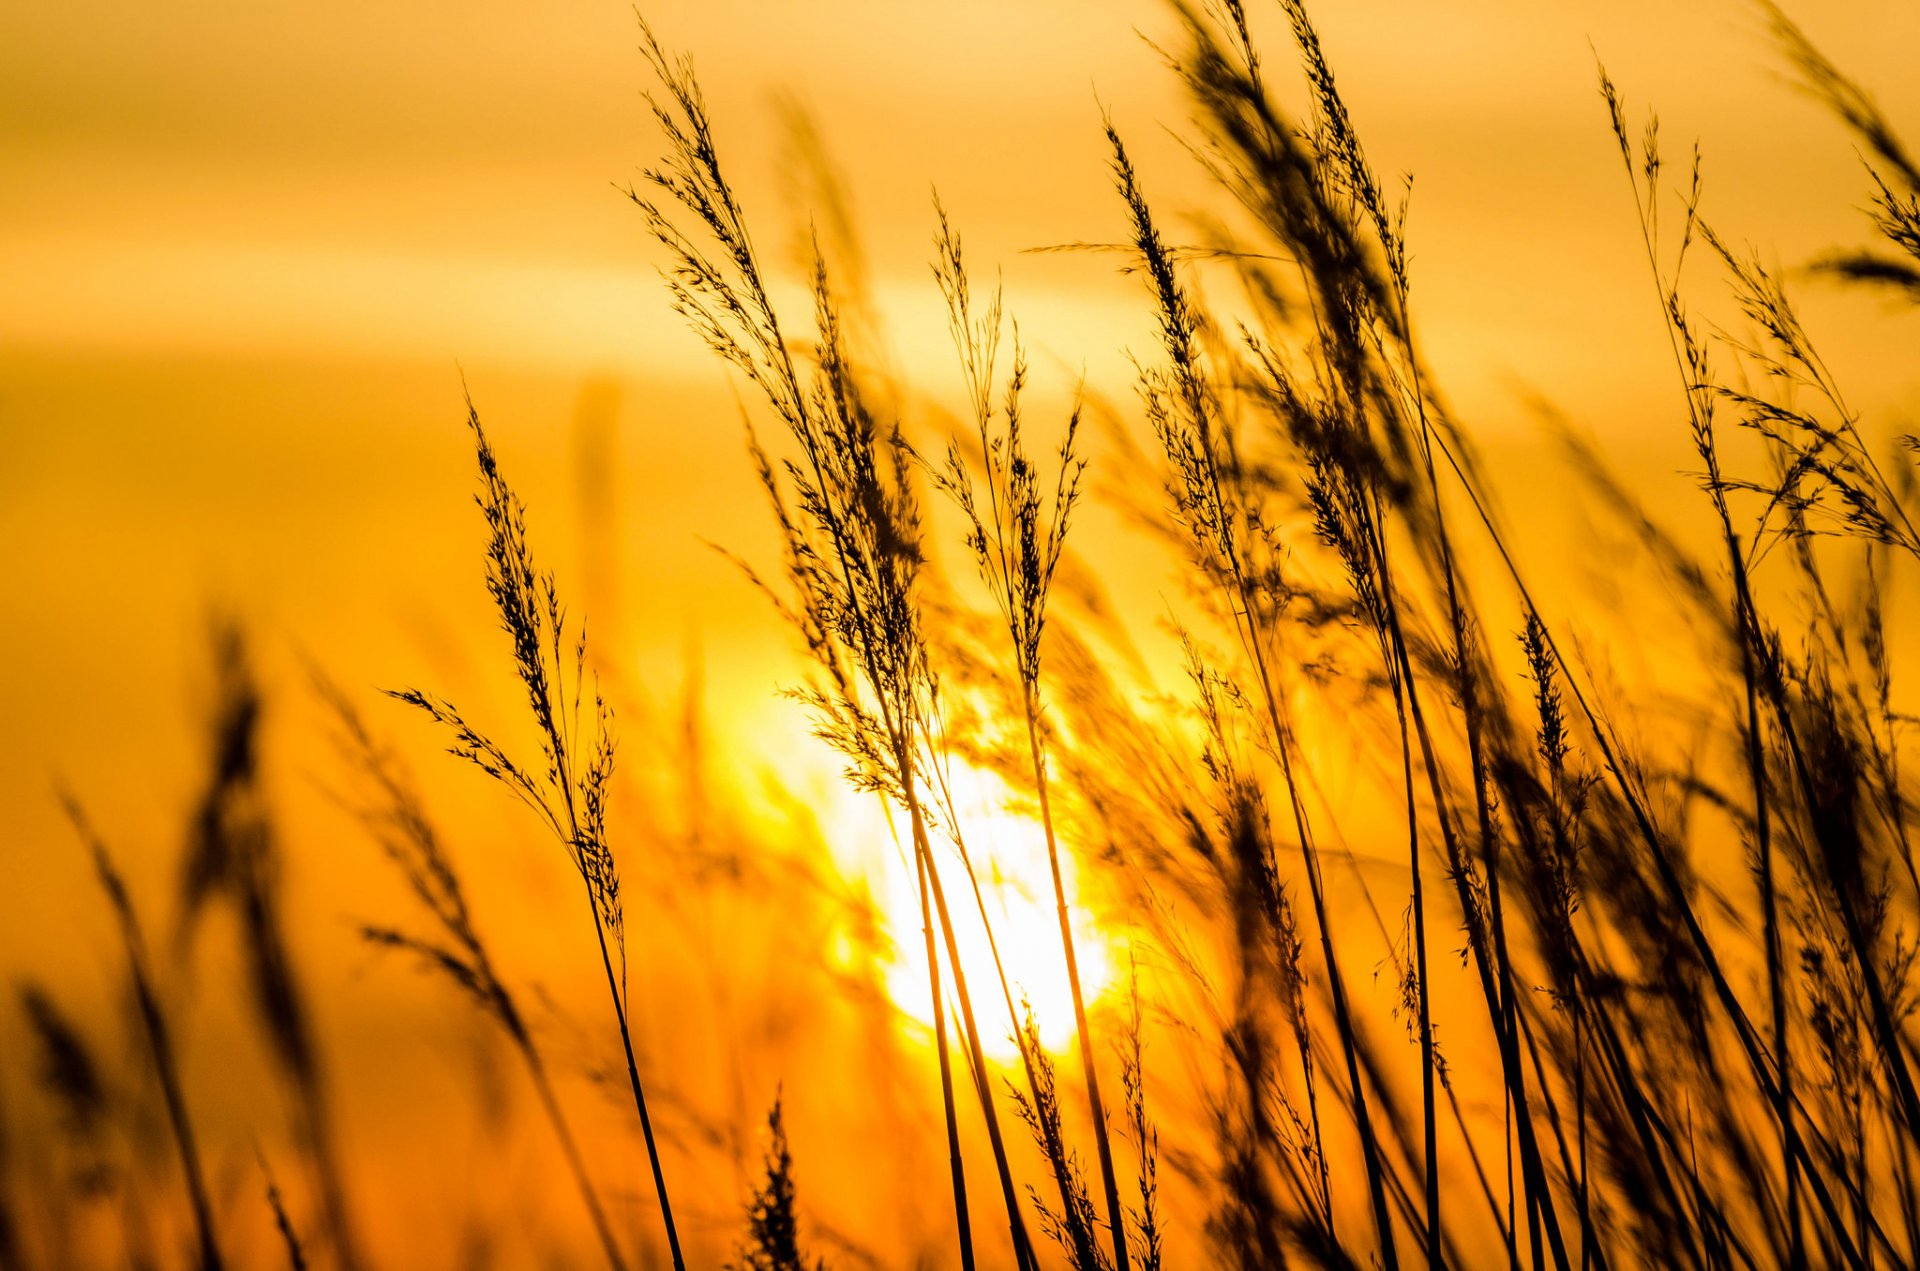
569 794
159 1036
1017 535
395 818
773 1227
851 532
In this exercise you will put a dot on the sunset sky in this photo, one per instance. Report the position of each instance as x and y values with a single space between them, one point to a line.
248 253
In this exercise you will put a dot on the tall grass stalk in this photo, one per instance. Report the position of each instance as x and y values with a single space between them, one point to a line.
976 1053
234 857
1145 1227
570 794
1016 546
394 816
159 1036
1074 1225
1183 408
773 1227
283 1222
1690 362
852 538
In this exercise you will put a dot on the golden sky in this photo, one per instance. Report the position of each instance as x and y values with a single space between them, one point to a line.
247 250
428 181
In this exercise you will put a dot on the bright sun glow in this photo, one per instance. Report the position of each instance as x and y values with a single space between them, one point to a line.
1009 852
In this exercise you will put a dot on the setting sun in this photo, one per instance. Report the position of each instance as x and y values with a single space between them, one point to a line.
1009 853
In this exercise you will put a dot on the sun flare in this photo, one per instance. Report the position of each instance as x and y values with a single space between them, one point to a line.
1008 848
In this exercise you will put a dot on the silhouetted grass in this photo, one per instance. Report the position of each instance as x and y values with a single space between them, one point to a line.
773 1227
569 794
283 1223
159 1037
233 857
1017 539
396 819
851 531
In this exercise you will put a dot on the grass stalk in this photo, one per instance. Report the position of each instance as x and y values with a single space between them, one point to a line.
159 1037
1016 547
570 795
1216 516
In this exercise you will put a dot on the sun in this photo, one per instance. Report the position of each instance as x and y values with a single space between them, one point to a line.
1009 854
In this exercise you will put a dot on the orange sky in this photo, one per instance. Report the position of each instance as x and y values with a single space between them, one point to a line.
246 248
434 181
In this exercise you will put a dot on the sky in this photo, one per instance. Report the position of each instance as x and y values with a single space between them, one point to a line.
252 256
423 181
251 252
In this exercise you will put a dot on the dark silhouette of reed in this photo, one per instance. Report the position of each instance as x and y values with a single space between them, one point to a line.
851 533
1016 541
233 858
283 1222
159 1036
569 794
393 814
773 1226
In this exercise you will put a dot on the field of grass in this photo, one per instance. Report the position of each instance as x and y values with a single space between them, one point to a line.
1389 896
